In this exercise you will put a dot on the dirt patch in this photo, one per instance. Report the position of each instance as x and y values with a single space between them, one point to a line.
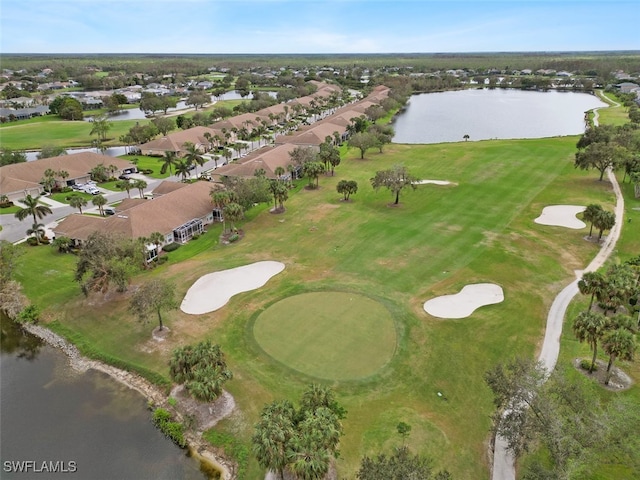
619 380
205 414
226 237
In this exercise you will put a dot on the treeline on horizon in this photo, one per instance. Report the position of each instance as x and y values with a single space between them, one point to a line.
601 63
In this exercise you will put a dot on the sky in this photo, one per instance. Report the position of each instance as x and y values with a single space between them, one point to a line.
311 26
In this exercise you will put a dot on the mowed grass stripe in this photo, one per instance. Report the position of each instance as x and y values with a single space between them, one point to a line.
329 335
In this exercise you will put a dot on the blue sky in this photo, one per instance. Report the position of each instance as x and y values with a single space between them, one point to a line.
309 26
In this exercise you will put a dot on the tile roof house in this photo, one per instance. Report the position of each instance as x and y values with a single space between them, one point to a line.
177 215
266 158
313 135
21 179
174 142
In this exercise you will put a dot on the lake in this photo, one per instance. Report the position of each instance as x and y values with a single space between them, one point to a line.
52 413
485 114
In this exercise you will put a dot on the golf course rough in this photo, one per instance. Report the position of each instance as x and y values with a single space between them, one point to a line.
328 335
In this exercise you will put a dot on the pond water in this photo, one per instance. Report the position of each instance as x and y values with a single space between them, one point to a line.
485 114
137 114
51 413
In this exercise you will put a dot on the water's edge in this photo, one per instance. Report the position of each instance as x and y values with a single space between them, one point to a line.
198 447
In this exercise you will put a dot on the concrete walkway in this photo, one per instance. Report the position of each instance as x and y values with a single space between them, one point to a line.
503 461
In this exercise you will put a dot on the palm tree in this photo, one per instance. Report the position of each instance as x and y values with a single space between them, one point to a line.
32 207
169 159
220 199
592 283
99 201
140 185
233 212
193 156
37 230
604 221
279 171
272 435
589 327
76 201
183 169
124 185
157 239
618 343
590 214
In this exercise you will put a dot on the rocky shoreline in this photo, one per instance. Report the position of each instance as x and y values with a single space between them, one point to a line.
197 445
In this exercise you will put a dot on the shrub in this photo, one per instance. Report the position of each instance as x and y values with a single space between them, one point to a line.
6 204
233 237
586 365
170 247
172 401
195 236
173 430
66 189
29 314
146 171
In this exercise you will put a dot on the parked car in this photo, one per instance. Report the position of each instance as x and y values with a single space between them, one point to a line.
78 186
109 211
92 190
124 177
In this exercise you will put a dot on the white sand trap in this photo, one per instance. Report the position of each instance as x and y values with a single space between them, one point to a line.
212 291
465 302
434 182
561 216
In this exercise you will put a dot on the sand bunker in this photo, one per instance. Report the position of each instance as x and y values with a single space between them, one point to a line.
212 291
434 182
561 216
465 302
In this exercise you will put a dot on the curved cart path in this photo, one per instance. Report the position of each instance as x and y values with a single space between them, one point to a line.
503 461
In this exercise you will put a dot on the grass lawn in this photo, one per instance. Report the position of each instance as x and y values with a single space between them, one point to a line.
9 210
50 130
439 239
328 335
145 162
62 197
612 115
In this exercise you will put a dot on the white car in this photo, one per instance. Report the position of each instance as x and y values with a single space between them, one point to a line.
91 189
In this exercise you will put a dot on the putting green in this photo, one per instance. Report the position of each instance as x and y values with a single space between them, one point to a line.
329 335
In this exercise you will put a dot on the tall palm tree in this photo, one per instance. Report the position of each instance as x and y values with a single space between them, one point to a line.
233 212
592 283
76 201
32 208
140 185
193 156
183 169
590 214
272 435
99 201
37 230
157 239
220 199
168 161
124 185
589 327
619 343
